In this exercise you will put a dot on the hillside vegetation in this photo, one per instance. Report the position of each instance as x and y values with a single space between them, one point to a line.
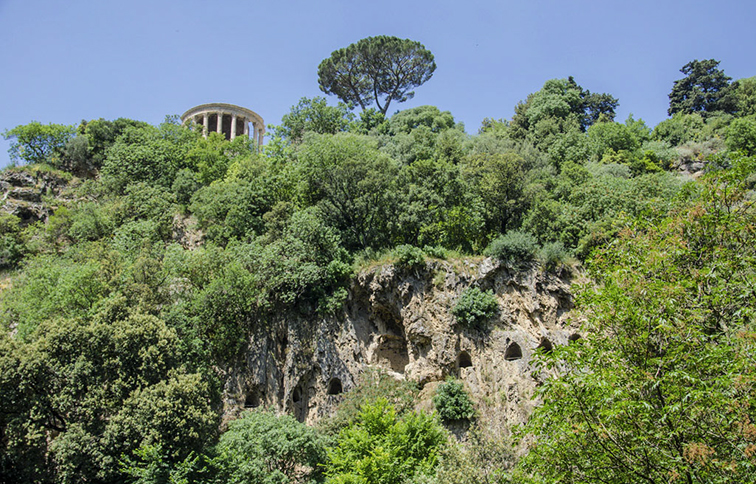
160 252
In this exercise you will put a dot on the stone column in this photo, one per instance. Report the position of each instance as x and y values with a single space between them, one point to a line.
233 126
246 127
220 123
205 122
260 137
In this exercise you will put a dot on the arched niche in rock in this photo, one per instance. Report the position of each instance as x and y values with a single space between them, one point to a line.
252 400
513 352
545 345
464 360
334 387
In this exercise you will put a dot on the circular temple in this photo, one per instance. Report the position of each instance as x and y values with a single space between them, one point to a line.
229 119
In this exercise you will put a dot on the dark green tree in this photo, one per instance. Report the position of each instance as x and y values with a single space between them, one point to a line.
376 70
704 89
101 133
423 133
82 393
562 102
500 184
353 185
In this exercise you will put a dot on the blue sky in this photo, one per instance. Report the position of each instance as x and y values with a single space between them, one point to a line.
64 61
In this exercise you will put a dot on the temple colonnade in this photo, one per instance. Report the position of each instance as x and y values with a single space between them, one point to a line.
227 119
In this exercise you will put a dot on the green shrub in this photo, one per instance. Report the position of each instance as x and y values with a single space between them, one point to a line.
513 247
262 448
452 401
148 202
383 448
11 245
475 307
436 251
485 456
552 254
409 256
741 136
231 209
184 186
90 221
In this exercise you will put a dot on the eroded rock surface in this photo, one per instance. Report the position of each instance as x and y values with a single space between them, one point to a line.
401 321
23 193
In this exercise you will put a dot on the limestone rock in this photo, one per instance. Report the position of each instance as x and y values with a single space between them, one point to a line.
401 321
24 193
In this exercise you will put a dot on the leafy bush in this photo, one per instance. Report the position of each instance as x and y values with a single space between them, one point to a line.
484 457
409 257
184 186
226 310
147 154
382 448
153 203
513 247
305 264
231 209
11 245
741 136
475 307
90 221
452 401
261 448
436 251
552 254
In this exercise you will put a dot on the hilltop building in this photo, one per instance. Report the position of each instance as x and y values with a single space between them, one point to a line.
229 119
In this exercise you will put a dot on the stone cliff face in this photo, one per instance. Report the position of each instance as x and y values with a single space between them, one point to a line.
23 193
400 321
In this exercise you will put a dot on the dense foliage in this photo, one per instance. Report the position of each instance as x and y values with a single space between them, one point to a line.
664 390
122 310
261 448
382 448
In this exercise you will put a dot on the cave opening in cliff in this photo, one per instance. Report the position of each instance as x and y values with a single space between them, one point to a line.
464 360
334 387
391 352
252 400
545 345
574 337
513 352
296 395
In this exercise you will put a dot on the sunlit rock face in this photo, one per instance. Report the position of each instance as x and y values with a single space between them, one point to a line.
29 195
400 321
